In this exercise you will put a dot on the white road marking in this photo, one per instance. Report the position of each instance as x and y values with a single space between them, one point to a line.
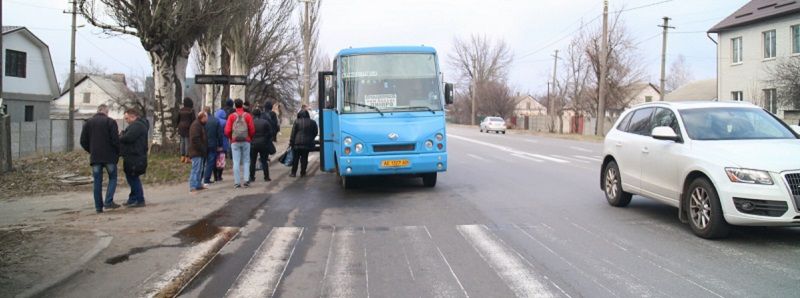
477 157
345 266
447 263
587 158
262 274
528 158
506 262
508 149
581 149
569 158
431 265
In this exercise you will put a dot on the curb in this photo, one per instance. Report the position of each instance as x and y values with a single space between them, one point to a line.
102 243
190 264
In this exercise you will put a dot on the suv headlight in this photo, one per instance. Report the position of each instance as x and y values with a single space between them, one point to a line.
748 176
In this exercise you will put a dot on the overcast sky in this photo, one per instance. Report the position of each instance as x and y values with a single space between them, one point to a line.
532 28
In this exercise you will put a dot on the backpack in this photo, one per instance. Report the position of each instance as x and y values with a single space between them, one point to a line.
240 129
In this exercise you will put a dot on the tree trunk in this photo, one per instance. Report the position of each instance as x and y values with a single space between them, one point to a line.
212 52
238 69
163 75
181 63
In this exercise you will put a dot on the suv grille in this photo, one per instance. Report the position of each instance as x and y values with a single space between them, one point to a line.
393 148
793 181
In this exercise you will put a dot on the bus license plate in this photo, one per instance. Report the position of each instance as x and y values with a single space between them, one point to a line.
394 163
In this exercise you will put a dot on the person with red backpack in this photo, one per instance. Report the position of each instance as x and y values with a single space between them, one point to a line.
240 130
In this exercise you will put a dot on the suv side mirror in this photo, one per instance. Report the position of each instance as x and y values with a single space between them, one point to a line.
448 93
665 133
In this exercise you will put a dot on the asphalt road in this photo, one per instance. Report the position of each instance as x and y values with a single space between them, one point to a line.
514 215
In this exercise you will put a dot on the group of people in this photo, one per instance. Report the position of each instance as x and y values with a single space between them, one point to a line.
105 144
247 135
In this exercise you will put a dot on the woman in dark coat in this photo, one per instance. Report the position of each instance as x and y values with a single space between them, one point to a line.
261 146
302 141
186 117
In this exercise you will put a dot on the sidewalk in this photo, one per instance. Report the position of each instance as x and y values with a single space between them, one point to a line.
57 246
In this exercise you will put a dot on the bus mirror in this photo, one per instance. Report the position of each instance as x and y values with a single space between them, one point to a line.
448 93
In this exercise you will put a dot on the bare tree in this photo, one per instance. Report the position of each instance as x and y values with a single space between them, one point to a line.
477 62
497 99
624 68
785 77
309 34
167 30
680 73
273 70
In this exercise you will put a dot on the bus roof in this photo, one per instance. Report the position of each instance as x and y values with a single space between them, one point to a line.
382 50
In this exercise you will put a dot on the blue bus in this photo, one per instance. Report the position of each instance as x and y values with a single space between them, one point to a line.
382 113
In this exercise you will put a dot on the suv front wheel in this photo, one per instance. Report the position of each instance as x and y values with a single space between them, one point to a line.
705 212
612 185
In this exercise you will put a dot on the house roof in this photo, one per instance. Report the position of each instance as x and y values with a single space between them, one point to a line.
51 73
694 91
757 11
113 88
9 29
639 87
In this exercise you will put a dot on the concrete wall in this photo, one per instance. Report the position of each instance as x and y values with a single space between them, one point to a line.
751 75
47 136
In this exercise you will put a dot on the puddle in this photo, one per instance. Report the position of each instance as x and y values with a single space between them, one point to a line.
235 213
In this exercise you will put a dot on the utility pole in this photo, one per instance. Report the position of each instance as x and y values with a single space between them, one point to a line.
601 104
306 53
664 57
474 90
551 109
5 120
71 121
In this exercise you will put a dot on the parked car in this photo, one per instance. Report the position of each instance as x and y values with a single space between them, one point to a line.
495 124
719 163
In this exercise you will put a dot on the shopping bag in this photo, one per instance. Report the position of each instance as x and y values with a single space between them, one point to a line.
220 161
287 157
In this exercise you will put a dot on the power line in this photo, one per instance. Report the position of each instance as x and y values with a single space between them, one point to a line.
642 6
34 5
104 52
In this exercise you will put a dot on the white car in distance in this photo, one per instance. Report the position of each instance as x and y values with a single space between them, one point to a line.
719 163
495 124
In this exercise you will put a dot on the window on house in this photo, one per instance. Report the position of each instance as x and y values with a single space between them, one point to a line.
769 44
737 96
796 39
648 98
28 113
736 44
771 100
87 97
16 63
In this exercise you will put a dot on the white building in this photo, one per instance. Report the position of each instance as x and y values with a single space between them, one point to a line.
751 41
528 106
29 80
93 90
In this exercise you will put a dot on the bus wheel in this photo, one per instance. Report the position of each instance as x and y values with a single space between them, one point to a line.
429 180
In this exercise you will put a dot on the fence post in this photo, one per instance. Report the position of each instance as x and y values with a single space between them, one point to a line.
5 144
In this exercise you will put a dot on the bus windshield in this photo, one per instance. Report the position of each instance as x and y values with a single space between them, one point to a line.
390 83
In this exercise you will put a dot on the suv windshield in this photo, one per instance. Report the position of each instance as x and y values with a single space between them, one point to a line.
733 124
390 83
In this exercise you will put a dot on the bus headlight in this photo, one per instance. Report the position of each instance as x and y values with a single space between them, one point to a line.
348 141
429 144
439 137
359 148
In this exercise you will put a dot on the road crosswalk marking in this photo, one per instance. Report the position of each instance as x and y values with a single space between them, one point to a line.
263 272
347 265
506 262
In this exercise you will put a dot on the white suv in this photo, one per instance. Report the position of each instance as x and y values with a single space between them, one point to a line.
720 163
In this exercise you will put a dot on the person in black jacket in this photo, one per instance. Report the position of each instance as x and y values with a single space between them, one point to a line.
134 152
270 116
261 146
215 145
186 117
100 137
302 141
